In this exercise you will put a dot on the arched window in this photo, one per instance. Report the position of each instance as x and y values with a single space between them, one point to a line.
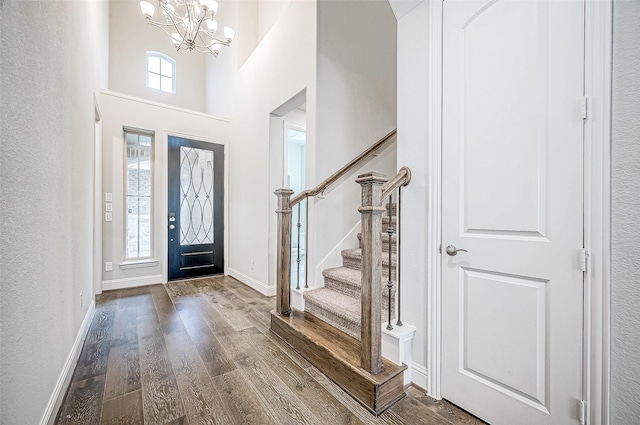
161 72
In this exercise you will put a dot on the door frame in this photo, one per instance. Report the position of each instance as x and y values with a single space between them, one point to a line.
597 201
163 238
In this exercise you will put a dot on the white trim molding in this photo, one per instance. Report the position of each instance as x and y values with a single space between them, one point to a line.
59 391
597 201
434 206
267 290
130 282
161 105
419 375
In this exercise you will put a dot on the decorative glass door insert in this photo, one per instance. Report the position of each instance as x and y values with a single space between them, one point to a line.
197 190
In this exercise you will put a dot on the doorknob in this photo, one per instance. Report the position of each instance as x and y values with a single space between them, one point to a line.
171 227
452 250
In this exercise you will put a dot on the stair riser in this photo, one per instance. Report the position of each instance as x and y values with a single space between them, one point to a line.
356 264
385 243
352 290
350 327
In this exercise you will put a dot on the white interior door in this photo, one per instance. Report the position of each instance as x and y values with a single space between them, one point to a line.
512 193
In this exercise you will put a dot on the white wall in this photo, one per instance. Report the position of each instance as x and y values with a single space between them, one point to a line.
625 248
220 72
413 112
119 111
356 106
281 66
130 38
48 79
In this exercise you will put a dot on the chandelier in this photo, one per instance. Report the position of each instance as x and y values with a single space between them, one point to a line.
190 24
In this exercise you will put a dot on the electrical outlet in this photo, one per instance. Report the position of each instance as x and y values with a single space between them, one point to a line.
80 299
108 266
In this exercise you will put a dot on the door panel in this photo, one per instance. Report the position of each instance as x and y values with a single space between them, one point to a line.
512 197
196 208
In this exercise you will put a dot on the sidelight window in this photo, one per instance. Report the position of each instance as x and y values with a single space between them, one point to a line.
139 193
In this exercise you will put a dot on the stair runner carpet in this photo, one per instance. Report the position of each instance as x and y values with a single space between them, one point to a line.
338 303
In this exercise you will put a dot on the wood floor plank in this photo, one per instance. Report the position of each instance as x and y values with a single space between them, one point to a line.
197 390
206 356
123 369
123 410
211 351
83 402
241 398
160 395
283 402
303 385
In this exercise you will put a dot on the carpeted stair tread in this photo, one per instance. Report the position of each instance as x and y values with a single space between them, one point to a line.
335 308
352 258
349 281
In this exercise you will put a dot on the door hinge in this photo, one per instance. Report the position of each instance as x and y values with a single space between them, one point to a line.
583 107
584 260
583 412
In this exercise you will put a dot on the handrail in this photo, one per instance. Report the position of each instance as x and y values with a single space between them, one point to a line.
401 179
342 171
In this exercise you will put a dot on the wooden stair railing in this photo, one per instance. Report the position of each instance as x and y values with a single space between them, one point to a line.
374 190
285 205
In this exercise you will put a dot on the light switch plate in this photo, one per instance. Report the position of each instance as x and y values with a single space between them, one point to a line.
108 197
108 206
108 216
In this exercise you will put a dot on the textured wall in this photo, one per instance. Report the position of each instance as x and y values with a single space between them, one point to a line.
48 77
625 222
413 80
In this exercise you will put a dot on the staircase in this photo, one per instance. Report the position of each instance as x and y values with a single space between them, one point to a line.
338 303
328 333
340 332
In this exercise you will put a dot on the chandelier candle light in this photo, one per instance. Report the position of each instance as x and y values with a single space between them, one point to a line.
193 23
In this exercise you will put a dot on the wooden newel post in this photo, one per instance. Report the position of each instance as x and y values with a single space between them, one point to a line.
283 271
371 307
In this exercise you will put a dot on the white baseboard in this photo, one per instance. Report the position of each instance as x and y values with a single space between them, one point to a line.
418 374
59 391
269 291
130 282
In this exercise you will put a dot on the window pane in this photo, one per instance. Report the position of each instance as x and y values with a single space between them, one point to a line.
138 181
153 81
166 68
132 138
167 84
153 64
144 177
144 226
132 176
132 227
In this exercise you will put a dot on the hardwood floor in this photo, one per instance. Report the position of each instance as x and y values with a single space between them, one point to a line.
200 352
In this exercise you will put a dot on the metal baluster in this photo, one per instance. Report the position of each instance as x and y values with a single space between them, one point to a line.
399 246
390 233
306 243
298 259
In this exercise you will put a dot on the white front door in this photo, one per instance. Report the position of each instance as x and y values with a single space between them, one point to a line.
512 196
